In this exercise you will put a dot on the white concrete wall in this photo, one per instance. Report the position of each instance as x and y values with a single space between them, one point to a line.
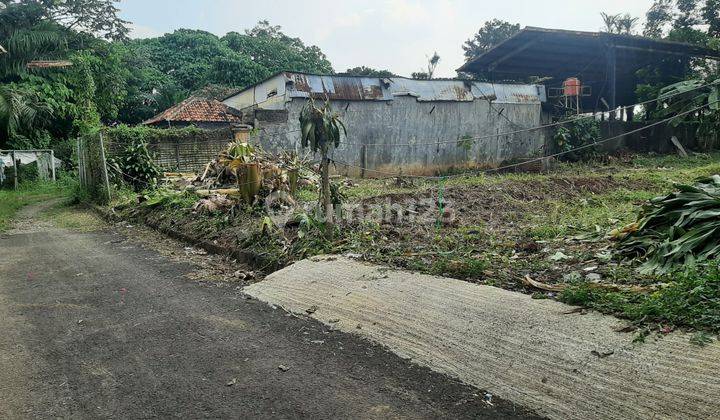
405 120
270 94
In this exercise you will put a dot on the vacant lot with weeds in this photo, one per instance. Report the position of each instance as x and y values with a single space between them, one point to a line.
498 230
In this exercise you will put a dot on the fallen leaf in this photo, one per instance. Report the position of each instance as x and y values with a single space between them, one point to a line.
559 256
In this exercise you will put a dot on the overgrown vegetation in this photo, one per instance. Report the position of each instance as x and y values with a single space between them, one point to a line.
127 81
134 166
30 192
698 99
576 139
124 134
552 227
689 299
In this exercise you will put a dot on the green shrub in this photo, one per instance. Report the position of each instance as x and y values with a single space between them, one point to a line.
581 132
124 135
690 299
135 166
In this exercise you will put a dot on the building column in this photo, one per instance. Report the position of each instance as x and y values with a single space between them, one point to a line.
612 79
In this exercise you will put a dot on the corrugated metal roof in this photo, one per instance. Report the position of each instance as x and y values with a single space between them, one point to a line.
467 91
355 88
337 87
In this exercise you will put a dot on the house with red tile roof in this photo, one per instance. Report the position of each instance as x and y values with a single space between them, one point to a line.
199 112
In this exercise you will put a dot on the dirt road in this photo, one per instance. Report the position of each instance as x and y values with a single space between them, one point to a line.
95 325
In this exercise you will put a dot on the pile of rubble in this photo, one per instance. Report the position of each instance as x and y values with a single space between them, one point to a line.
243 172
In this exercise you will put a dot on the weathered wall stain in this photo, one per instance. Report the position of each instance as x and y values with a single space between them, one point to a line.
418 138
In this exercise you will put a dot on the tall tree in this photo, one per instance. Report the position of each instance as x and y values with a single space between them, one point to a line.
687 24
657 18
490 35
367 71
26 36
687 15
693 21
619 24
711 16
267 46
185 55
167 69
96 17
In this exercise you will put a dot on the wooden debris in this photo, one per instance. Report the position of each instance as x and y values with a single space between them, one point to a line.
221 191
528 281
46 64
680 149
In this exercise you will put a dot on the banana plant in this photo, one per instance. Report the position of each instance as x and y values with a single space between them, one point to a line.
688 95
241 150
682 228
320 127
321 130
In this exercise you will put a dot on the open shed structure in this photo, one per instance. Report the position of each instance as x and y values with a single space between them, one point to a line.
605 62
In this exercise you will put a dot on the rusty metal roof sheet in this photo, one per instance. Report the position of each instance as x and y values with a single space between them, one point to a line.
467 91
337 87
354 88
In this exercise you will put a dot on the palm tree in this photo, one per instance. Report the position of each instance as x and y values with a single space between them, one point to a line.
21 112
610 22
23 45
619 24
23 39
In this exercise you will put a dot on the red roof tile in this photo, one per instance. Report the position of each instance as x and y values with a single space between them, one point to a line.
196 109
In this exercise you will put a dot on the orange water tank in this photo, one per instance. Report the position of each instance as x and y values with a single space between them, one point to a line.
572 87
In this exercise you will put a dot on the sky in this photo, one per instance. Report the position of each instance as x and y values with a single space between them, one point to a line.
398 35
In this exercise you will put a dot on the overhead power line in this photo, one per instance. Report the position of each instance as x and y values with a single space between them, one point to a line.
539 159
507 133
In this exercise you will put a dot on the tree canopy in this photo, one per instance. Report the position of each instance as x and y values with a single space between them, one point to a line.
169 68
95 17
116 80
491 34
367 71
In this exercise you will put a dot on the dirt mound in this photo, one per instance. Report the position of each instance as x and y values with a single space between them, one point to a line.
497 204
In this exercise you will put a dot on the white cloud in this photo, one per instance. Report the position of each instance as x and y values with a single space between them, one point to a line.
344 22
407 11
141 31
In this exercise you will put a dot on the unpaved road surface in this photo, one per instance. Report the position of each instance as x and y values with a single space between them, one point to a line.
542 354
95 325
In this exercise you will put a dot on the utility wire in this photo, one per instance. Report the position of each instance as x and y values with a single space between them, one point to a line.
495 135
540 127
392 174
470 173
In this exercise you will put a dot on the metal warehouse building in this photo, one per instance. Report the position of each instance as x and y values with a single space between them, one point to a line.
402 125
